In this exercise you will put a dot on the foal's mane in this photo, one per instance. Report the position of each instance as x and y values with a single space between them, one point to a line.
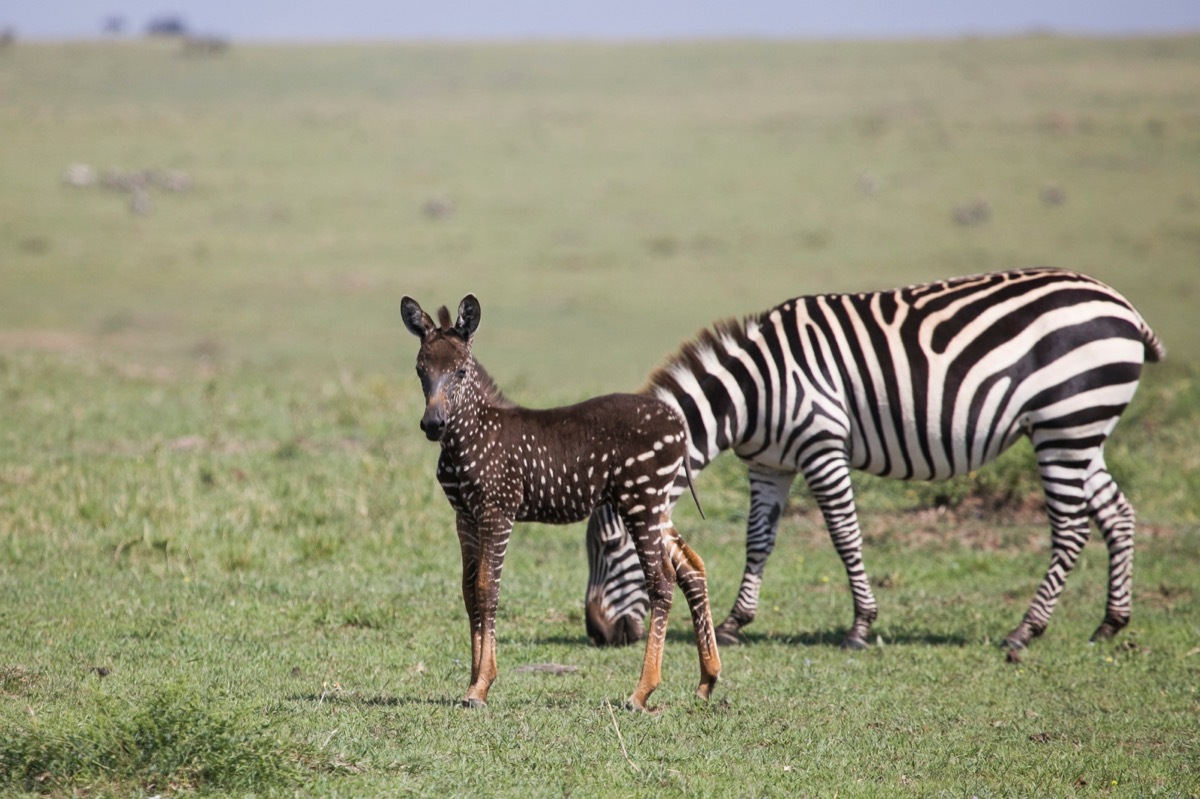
487 386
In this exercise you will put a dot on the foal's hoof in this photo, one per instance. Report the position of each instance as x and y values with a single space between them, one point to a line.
473 703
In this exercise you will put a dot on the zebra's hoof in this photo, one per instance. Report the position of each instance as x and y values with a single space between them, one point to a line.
728 635
1107 630
1015 642
854 643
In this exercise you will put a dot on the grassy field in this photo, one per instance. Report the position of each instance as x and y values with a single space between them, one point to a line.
225 564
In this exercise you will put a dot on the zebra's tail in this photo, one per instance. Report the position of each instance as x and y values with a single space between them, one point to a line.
1155 349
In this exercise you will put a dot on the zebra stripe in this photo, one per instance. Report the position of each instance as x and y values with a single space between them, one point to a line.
923 382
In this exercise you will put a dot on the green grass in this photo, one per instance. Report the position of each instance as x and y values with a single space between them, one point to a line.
225 564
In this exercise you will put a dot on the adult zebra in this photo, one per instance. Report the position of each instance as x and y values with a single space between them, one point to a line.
923 382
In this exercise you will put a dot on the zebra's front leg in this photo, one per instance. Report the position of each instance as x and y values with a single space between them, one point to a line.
494 531
768 498
828 477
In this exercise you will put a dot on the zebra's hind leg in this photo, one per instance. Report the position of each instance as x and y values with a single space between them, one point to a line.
828 477
768 497
1063 482
1115 517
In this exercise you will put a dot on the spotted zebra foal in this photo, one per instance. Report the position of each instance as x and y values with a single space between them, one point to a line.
502 463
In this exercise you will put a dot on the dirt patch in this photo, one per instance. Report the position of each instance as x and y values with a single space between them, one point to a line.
1024 527
59 341
17 680
1165 596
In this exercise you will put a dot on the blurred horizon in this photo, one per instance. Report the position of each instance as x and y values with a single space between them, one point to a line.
276 21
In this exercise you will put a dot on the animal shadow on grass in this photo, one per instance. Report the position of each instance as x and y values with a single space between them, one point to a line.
829 637
564 702
834 636
374 701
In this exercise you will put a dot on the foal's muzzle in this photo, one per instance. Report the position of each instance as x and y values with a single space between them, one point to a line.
433 423
433 429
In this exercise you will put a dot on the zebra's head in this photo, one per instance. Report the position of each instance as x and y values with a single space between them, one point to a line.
447 369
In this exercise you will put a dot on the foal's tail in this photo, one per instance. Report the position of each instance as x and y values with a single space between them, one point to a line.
687 470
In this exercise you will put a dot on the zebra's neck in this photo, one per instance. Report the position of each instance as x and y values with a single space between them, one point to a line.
707 381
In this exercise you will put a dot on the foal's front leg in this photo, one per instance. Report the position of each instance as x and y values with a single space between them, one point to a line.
468 542
493 530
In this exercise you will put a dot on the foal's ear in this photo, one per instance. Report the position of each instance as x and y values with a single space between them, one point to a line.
468 316
416 320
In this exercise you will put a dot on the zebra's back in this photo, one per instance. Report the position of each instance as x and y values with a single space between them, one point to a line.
921 382
941 378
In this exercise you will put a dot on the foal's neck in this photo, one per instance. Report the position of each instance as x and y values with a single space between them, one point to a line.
482 395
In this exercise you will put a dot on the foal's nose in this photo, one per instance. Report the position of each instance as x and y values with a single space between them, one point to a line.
433 427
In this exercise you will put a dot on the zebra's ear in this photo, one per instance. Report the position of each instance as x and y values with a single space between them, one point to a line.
416 320
468 317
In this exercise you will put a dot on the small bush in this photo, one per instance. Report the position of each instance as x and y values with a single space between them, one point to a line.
174 740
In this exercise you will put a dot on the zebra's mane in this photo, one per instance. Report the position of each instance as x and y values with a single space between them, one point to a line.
711 343
487 386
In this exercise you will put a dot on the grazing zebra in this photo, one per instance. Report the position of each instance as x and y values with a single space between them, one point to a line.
501 463
923 382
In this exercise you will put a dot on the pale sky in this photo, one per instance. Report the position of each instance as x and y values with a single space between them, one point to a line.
602 19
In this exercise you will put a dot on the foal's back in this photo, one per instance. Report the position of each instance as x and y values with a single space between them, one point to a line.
564 462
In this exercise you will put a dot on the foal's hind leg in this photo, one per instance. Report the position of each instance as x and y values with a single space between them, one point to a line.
647 536
689 576
1114 516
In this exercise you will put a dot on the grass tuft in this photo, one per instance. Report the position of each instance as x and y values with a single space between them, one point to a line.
176 739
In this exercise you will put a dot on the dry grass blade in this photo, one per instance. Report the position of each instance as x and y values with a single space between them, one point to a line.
620 739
